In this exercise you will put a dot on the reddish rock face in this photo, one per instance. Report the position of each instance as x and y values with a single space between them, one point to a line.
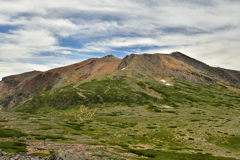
153 65
34 82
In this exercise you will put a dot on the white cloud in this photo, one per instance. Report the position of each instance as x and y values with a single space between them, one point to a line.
62 27
25 44
38 29
125 42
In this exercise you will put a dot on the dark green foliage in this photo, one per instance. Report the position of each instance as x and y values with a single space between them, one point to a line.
3 100
46 127
195 113
3 120
100 155
51 137
121 124
141 84
170 111
41 154
24 118
4 132
172 126
114 114
151 127
13 146
21 93
49 87
194 120
6 99
75 126
147 153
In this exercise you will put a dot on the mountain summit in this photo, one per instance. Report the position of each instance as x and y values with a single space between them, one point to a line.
16 89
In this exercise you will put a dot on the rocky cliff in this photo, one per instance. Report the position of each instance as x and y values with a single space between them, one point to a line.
230 76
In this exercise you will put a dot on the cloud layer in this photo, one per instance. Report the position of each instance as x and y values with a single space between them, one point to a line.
39 35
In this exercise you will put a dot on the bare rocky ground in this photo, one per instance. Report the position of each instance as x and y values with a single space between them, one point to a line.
82 150
74 154
65 152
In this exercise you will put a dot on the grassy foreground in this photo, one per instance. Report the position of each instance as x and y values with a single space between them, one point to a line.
131 119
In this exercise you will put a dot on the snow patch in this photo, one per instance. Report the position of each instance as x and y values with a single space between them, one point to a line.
165 82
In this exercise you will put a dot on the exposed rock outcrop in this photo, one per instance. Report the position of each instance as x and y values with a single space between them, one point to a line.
19 156
59 155
64 155
230 76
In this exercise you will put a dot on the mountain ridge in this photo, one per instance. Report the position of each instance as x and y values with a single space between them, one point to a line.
153 66
231 76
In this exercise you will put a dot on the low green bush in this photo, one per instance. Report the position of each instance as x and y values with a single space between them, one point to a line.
5 132
172 126
3 120
51 137
41 154
15 147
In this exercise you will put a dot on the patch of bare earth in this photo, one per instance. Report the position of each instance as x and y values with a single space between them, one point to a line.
83 150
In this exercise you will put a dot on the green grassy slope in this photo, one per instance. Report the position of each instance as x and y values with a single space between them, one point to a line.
108 92
184 121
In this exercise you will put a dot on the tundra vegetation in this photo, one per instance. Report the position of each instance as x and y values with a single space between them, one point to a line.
130 119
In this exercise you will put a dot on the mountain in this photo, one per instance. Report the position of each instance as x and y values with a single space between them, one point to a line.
31 83
18 88
144 106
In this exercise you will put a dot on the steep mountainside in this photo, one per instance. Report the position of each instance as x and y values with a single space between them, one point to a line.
31 83
221 73
159 65
17 88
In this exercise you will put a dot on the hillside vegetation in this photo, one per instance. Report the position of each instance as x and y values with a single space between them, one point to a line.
131 119
146 106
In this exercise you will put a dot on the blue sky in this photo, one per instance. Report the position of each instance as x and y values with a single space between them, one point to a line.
40 35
